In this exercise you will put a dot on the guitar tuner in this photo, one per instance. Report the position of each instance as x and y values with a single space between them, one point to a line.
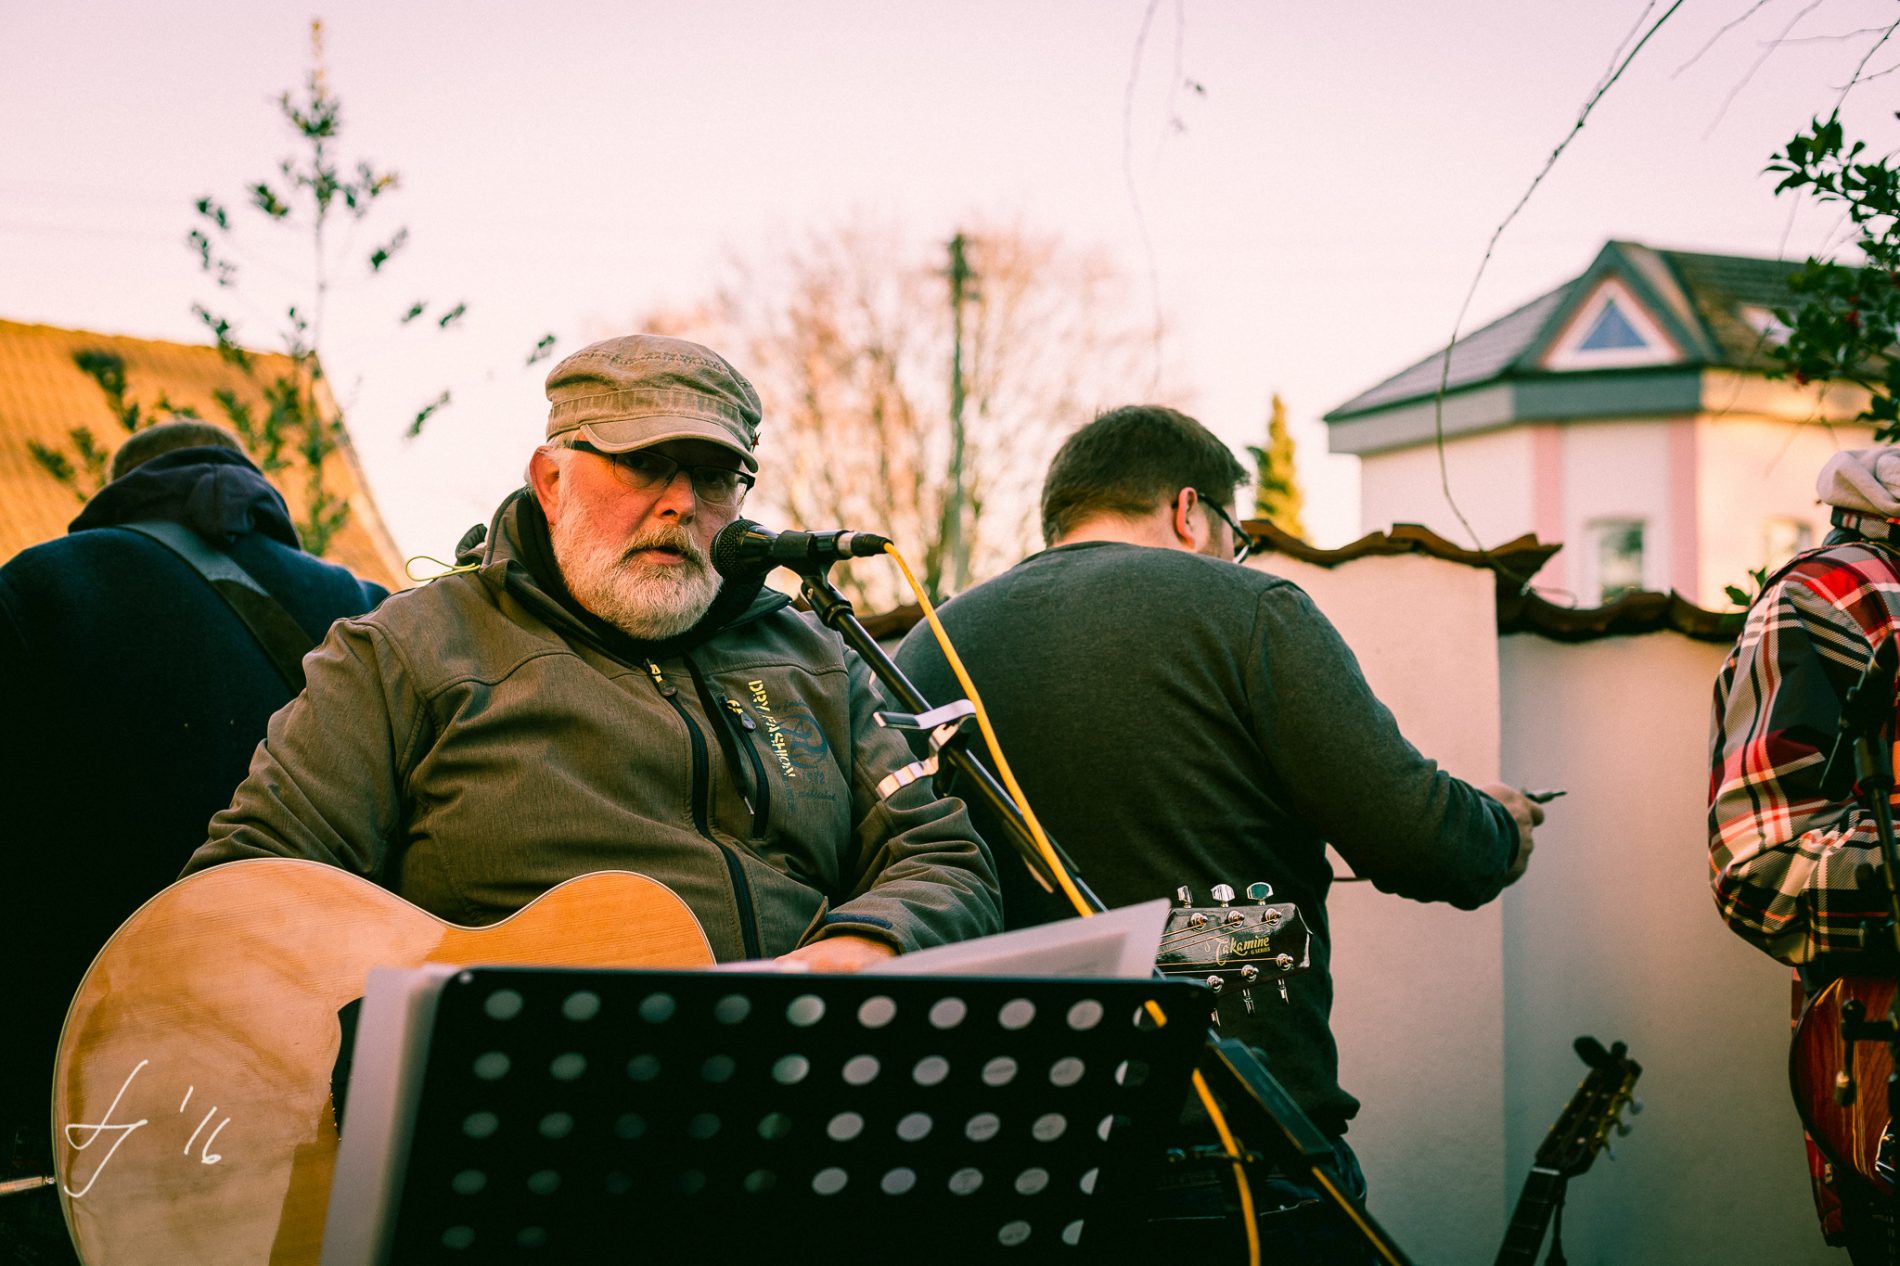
1223 893
1182 895
1234 918
1259 892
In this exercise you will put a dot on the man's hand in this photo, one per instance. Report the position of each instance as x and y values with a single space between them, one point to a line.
1525 814
837 953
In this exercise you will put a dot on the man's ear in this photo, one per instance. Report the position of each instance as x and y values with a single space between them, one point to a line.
1187 526
544 476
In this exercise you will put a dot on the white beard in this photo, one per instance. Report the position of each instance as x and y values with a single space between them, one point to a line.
647 601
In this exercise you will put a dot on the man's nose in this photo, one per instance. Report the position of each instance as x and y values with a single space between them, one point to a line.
678 495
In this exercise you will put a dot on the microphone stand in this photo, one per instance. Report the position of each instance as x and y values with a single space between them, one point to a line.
1861 761
1252 1089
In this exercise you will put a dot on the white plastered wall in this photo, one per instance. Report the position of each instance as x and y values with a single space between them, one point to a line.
1418 1012
1613 933
1455 1027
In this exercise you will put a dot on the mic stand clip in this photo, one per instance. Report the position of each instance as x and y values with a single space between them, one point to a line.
941 724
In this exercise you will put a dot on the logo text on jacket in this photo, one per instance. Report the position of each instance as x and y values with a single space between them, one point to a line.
774 732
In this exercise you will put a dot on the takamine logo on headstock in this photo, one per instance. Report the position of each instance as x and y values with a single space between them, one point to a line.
1225 944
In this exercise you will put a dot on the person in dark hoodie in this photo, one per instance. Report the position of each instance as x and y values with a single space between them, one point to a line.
584 693
131 699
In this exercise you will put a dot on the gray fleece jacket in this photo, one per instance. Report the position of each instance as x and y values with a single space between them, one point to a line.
472 743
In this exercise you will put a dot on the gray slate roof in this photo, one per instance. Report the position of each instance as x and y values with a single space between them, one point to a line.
1697 298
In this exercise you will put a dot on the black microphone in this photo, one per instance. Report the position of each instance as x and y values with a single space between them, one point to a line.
744 549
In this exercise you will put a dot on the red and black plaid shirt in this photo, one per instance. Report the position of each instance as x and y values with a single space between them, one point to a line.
1782 855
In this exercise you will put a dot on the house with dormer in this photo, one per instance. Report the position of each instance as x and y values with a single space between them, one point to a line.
1627 413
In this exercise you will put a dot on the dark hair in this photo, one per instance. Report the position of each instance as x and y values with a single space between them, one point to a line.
144 445
1127 461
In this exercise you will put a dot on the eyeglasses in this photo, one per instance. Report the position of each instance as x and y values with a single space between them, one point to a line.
1243 543
645 470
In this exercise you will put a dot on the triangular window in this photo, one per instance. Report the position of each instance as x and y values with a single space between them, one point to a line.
1612 331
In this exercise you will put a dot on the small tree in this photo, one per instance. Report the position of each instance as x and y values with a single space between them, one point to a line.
1277 496
1842 321
292 424
1842 326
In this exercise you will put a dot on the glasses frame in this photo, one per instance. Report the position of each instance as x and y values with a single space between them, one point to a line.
746 481
1243 540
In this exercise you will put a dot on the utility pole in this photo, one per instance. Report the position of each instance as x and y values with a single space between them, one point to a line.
953 552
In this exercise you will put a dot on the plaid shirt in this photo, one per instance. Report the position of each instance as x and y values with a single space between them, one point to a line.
1782 855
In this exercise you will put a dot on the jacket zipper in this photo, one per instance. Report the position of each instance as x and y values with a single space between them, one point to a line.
702 792
761 816
726 714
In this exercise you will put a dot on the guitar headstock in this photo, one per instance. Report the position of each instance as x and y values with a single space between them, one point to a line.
1245 944
1584 1128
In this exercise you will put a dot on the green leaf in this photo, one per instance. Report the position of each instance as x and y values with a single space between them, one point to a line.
425 413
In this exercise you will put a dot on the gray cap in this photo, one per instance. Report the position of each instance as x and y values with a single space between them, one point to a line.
644 389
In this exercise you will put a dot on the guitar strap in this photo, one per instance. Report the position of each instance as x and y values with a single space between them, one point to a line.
278 634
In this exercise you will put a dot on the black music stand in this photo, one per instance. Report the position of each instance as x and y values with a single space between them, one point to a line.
568 1115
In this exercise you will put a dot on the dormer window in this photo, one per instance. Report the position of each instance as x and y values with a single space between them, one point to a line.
1611 330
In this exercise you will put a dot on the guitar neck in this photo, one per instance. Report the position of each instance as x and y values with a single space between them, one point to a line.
1529 1220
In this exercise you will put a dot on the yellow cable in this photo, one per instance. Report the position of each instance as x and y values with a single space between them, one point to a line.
448 569
989 738
1067 884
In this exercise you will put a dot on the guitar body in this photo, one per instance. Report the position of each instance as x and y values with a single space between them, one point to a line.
192 1090
1851 1137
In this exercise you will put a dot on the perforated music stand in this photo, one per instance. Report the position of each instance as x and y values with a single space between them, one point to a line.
639 1116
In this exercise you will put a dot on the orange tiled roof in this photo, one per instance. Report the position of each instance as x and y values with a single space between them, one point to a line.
43 395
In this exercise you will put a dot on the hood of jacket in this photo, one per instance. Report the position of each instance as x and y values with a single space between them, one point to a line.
515 554
215 492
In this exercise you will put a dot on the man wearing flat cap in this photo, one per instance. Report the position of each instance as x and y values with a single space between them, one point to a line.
586 694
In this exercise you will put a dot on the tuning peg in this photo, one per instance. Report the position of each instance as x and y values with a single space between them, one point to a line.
1635 1106
1259 892
1623 1129
1182 895
1223 893
1609 1151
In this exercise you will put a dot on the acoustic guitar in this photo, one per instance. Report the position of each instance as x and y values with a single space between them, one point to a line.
1856 1137
191 1097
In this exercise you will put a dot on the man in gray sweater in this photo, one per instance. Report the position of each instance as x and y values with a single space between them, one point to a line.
1178 720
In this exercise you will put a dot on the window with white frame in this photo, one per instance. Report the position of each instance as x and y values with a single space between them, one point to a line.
1617 552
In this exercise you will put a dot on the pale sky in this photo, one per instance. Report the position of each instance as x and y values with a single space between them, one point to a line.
1316 218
